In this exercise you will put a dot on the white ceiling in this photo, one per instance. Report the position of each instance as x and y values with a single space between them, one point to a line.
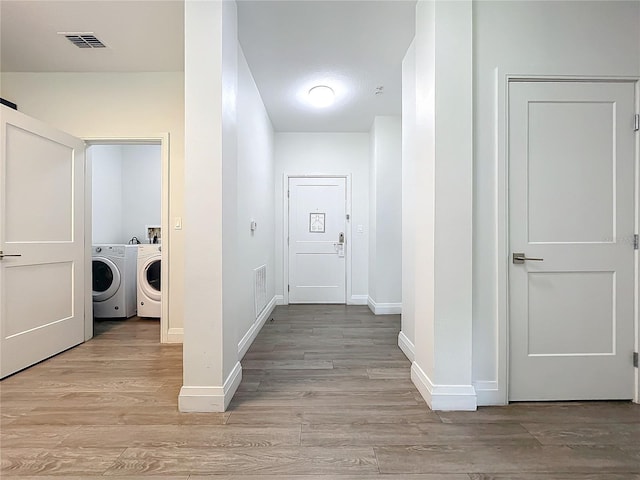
141 35
353 46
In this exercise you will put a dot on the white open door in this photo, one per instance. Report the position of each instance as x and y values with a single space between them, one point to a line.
42 283
317 250
571 215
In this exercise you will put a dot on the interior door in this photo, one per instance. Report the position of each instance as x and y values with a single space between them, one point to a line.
42 282
317 238
571 215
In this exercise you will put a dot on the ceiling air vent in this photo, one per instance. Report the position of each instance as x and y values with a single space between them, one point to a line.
83 40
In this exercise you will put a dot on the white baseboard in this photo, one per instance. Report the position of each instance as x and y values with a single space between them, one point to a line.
384 308
210 399
488 393
358 300
254 330
443 397
406 346
175 335
279 299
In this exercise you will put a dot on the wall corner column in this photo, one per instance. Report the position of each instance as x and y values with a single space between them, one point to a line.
442 369
211 373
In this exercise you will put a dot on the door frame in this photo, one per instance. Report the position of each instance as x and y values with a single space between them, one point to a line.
285 231
499 394
166 336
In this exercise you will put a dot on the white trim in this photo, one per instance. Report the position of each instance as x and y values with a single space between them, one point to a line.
165 225
279 299
501 117
636 320
210 399
162 139
285 239
88 252
254 330
358 300
488 393
285 230
175 335
384 308
407 346
443 397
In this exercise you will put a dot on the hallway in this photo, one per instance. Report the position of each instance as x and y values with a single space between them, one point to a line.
325 394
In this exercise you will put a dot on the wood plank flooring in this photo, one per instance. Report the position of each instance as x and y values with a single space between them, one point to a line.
325 394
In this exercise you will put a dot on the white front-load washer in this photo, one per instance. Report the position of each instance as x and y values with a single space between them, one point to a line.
114 280
149 292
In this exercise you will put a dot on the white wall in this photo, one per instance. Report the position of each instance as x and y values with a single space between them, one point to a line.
141 190
255 197
116 105
518 38
126 191
533 38
328 154
373 218
385 216
407 330
106 190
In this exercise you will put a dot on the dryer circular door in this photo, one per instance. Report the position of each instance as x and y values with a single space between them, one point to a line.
105 279
149 277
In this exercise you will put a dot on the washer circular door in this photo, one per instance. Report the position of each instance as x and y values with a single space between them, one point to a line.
149 277
105 279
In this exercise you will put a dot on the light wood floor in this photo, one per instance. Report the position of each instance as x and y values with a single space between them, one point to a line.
325 394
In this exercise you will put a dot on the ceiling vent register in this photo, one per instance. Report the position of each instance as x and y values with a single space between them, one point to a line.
83 40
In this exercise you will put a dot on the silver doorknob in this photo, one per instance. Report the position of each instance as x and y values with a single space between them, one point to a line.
2 255
520 258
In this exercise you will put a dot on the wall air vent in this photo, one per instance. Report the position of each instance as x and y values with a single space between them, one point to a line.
83 39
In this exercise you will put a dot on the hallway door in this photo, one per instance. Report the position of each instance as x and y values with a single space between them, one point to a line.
571 214
317 240
42 272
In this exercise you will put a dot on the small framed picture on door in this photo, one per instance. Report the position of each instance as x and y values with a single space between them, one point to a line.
316 222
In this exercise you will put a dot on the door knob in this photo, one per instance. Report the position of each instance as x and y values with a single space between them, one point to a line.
520 258
2 255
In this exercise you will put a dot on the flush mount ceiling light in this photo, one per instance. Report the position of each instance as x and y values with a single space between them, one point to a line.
321 96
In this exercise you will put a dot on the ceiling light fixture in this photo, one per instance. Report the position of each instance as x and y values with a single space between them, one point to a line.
321 96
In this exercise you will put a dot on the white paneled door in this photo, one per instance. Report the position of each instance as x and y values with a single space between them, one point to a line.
317 240
571 215
42 241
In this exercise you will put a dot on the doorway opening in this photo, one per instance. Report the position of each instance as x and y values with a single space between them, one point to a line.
127 201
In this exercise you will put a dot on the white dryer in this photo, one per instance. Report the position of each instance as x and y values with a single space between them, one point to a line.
114 280
149 292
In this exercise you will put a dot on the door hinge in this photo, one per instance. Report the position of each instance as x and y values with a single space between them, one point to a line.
287 240
636 241
636 122
288 193
635 359
288 288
